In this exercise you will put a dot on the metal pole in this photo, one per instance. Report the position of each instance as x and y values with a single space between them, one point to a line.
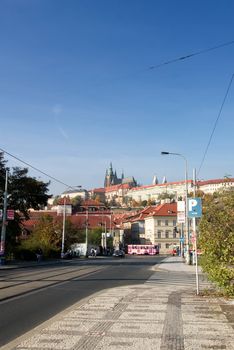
182 240
105 237
64 223
195 233
86 232
187 256
186 211
4 217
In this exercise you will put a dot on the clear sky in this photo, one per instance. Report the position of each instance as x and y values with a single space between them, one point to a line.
76 91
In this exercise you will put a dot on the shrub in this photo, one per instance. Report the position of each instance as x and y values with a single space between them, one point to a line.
217 240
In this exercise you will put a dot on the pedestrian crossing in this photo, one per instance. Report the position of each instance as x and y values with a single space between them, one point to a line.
174 278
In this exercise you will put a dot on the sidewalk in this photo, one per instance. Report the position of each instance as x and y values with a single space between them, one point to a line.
154 315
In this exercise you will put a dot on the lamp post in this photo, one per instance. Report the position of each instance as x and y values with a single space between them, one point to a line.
186 201
4 217
86 232
64 221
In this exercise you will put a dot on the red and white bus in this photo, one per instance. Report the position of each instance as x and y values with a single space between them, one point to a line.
143 249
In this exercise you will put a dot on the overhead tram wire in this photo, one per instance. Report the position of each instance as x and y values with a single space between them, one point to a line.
191 55
33 167
159 65
216 122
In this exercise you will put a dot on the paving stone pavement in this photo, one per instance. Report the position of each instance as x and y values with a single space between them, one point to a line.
148 316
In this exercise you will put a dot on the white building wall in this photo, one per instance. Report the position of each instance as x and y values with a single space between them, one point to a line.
152 192
160 230
149 230
178 189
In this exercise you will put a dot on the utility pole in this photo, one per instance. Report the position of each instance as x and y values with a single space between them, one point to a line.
187 256
4 217
195 233
105 245
86 232
64 223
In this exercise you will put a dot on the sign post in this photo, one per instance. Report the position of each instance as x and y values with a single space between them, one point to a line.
181 219
195 211
3 231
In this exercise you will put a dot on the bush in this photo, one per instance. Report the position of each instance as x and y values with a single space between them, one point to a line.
217 240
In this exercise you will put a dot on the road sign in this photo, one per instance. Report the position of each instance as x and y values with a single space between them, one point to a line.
181 206
181 212
181 217
194 208
10 214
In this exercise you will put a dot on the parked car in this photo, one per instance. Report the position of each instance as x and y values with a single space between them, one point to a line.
67 255
119 253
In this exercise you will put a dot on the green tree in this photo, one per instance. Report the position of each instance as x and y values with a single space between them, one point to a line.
165 195
24 192
95 236
76 202
45 236
56 200
217 239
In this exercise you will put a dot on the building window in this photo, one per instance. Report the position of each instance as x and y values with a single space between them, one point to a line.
174 234
159 222
167 245
167 234
174 222
166 222
159 245
159 234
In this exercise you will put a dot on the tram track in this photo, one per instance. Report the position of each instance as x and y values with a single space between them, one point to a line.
27 286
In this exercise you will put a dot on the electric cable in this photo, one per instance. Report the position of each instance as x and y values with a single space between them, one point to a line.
216 122
191 55
33 167
159 65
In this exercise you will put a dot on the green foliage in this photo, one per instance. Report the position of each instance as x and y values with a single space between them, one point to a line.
24 192
47 236
56 200
76 202
95 236
166 195
217 239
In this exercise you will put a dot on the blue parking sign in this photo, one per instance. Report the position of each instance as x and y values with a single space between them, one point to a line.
194 207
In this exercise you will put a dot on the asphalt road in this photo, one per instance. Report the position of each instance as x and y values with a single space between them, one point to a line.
30 296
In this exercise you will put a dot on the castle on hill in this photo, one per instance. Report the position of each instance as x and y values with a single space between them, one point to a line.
111 178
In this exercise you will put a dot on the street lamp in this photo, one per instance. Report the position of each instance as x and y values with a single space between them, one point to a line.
186 201
86 232
64 221
4 217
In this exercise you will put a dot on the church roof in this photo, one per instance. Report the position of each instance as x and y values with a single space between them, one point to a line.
127 180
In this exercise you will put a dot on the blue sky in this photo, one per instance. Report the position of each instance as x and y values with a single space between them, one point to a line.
76 91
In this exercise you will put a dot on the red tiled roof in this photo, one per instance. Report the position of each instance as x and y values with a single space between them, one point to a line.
96 190
117 187
199 183
215 181
166 209
95 219
64 200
